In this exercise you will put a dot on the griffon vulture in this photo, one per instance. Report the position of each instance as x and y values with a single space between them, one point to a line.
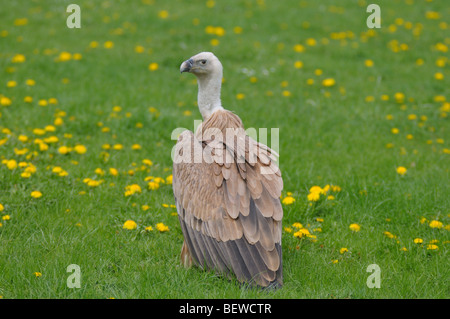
227 190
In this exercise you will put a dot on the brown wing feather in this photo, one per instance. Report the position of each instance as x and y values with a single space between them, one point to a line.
229 208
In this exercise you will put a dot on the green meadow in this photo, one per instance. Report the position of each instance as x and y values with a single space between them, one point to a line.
86 122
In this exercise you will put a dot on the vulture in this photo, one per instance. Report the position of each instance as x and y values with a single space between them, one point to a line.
227 190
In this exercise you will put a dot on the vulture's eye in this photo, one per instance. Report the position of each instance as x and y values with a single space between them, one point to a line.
203 62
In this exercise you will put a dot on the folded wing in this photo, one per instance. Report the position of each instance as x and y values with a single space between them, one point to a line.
227 190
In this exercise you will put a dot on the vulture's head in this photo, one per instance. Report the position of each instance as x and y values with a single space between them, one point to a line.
202 64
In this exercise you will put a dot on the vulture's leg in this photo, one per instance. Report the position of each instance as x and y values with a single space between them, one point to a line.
186 258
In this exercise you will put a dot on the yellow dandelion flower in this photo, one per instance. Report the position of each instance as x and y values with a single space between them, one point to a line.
311 42
435 224
99 171
117 147
343 250
11 164
18 58
11 84
36 194
328 82
418 240
136 147
313 197
108 45
43 102
401 170
163 14
132 189
113 171
147 162
58 121
336 188
161 227
64 56
304 231
298 64
288 200
30 169
49 128
130 225
63 173
219 31
159 180
93 183
355 227
399 97
25 175
317 189
240 96
432 247
298 234
153 185
299 48
28 99
139 49
39 131
64 150
441 47
388 234
439 76
80 149
153 66
57 170
286 93
368 63
23 164
432 15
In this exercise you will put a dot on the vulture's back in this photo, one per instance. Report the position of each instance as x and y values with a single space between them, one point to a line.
227 190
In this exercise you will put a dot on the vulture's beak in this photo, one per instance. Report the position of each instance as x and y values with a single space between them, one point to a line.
186 65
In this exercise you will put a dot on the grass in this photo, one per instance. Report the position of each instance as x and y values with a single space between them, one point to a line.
338 135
